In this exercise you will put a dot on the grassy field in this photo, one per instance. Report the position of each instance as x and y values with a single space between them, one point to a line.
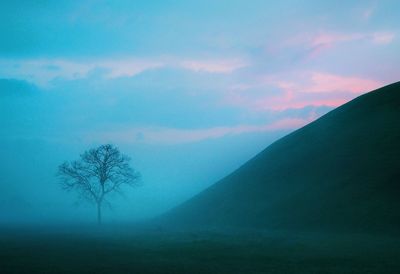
139 251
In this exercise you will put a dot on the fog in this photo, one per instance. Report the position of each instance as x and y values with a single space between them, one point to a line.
31 193
188 98
191 91
181 142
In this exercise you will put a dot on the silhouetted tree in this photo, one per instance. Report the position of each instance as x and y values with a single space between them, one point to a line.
98 172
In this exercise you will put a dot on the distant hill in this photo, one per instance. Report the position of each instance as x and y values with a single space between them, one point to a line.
340 172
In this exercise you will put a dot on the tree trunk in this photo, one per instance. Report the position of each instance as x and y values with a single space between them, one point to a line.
99 213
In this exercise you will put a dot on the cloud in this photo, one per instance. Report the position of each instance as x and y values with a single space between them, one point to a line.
300 89
383 37
127 68
329 39
43 71
171 136
285 101
308 44
325 82
324 40
214 66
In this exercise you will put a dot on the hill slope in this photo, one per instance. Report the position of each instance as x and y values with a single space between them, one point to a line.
340 172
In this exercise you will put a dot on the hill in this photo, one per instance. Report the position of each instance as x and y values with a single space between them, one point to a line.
340 172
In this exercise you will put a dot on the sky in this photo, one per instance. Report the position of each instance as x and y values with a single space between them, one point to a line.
190 90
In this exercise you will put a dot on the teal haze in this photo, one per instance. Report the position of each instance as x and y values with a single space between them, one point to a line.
190 90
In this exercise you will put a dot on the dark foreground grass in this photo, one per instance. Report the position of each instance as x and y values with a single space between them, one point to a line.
132 251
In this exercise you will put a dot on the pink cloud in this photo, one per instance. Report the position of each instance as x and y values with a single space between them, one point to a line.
280 103
322 89
323 40
304 89
299 103
324 82
329 39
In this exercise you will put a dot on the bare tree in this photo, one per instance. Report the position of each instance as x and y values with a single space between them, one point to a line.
99 172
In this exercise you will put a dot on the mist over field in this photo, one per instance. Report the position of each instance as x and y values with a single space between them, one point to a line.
199 136
32 194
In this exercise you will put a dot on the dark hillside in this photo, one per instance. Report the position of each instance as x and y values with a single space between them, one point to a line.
341 172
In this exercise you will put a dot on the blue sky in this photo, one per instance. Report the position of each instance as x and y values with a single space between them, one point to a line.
189 89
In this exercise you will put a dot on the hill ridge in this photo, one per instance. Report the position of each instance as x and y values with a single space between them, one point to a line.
338 171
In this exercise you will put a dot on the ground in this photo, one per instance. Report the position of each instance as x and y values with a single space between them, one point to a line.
141 251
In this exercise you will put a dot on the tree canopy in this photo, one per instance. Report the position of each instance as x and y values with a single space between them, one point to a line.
98 172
